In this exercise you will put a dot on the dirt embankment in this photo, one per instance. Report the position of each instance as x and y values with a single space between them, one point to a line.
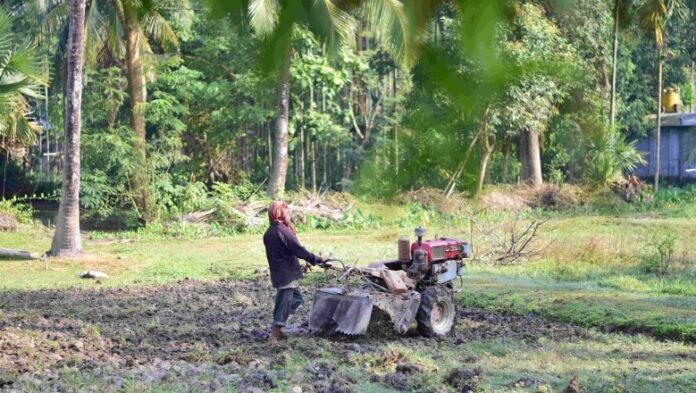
206 336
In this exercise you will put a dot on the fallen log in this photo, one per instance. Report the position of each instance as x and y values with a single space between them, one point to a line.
8 253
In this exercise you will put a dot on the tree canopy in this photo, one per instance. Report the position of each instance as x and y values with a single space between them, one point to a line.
383 95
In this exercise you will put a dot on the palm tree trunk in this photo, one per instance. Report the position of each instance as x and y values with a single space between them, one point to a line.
530 157
487 144
535 159
66 240
269 146
612 111
313 146
693 86
506 161
324 180
656 180
301 161
138 95
396 126
4 171
524 154
276 186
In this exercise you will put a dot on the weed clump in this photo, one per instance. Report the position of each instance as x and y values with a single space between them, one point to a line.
659 259
463 379
7 223
12 214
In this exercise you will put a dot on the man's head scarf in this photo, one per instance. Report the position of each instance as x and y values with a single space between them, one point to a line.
278 213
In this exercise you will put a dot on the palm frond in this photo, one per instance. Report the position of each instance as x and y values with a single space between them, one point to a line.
21 73
148 60
5 22
23 60
43 6
13 83
158 28
17 125
145 48
24 130
263 16
5 55
653 14
54 21
331 24
95 34
389 21
32 91
114 32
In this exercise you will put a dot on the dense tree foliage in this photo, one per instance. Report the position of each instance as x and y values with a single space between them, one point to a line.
182 97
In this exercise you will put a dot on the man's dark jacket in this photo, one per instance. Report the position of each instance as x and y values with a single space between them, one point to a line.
282 251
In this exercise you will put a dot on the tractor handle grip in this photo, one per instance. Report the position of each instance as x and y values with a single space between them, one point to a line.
327 264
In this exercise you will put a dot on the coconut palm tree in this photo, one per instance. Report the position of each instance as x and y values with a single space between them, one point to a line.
21 73
653 16
274 21
620 11
395 24
123 28
66 240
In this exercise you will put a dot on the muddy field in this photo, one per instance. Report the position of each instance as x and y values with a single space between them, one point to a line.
203 336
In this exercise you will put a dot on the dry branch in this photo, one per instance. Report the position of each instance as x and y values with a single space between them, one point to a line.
508 242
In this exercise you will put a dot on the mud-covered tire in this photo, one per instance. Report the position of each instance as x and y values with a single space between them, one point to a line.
437 312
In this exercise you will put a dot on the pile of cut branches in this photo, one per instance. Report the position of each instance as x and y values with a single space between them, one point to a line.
253 214
323 206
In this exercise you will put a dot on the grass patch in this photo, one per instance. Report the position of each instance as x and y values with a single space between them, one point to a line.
600 269
667 317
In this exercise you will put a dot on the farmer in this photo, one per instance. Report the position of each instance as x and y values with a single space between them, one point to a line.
282 250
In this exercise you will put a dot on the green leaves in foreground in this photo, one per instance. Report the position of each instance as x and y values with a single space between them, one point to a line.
21 74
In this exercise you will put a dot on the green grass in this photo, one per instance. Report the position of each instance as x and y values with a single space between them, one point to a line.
590 271
161 260
584 304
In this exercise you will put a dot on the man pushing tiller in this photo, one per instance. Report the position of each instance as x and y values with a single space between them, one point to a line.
282 251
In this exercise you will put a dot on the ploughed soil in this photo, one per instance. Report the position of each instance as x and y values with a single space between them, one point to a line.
211 336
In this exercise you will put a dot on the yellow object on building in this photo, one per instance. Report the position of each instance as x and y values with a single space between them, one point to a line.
671 102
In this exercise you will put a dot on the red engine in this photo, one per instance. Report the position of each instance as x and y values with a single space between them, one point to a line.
442 249
438 260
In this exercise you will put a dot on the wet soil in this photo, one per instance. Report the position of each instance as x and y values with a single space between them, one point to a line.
208 336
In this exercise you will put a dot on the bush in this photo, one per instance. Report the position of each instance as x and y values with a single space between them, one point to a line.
20 212
676 195
659 260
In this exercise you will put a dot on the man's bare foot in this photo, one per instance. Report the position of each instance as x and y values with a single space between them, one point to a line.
276 334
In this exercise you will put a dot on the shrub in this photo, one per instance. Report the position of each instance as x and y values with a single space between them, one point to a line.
659 260
20 212
676 195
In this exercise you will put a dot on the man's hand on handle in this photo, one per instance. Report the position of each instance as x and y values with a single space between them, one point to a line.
325 263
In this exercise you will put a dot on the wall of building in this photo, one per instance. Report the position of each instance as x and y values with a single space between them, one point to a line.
677 154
